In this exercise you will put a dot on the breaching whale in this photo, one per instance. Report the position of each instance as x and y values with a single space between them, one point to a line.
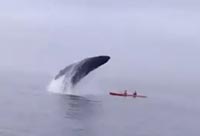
75 72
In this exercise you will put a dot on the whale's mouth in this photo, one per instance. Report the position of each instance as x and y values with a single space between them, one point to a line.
71 75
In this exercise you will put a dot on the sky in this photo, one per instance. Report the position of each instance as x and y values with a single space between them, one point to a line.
150 41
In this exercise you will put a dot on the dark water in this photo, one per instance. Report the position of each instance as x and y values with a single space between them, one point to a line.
30 111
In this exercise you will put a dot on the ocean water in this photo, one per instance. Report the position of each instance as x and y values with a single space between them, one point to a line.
28 109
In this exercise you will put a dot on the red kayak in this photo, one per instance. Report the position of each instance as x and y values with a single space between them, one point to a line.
122 94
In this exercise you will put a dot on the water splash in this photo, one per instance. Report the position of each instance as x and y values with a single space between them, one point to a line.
61 85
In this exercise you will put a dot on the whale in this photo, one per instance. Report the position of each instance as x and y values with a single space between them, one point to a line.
73 73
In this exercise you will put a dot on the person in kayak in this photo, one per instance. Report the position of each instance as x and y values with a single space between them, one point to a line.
135 94
125 92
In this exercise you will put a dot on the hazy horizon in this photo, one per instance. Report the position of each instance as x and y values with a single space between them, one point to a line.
153 42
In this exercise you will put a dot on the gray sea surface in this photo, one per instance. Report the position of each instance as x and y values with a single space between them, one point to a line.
27 109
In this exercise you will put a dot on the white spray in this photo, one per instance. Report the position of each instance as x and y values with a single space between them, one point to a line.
63 84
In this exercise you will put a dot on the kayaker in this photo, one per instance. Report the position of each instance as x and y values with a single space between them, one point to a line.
135 94
125 92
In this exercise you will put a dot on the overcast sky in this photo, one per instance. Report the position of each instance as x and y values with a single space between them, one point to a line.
157 39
